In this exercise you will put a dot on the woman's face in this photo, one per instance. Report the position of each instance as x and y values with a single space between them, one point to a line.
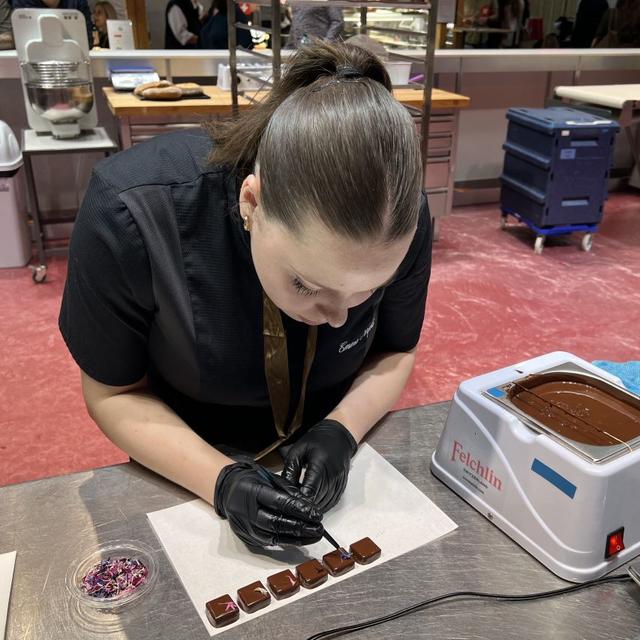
100 18
317 276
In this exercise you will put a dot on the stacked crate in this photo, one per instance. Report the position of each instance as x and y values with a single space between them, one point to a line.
556 166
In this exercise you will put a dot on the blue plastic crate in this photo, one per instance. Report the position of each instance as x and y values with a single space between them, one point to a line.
556 165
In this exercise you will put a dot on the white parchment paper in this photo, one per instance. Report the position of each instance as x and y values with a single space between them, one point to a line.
379 502
7 563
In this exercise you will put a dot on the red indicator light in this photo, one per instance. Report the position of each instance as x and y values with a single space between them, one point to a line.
615 543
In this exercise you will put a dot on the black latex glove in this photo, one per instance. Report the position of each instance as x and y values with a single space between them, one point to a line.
263 508
326 451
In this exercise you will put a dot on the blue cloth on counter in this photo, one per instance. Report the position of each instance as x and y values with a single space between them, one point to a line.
628 372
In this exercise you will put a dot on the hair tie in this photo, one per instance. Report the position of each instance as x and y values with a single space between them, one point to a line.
344 72
347 71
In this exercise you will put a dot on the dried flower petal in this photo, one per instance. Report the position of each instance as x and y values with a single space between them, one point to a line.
114 578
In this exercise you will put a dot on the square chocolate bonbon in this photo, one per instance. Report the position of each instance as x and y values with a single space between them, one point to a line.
311 573
365 551
222 611
253 597
283 584
338 562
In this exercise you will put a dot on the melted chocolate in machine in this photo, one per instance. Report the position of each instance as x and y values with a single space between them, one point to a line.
549 451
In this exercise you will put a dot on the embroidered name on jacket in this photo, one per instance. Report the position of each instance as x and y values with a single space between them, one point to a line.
346 345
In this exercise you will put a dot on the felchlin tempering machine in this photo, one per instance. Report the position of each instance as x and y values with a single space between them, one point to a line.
549 451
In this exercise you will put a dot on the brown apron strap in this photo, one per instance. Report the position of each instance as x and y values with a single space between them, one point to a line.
309 356
276 368
276 364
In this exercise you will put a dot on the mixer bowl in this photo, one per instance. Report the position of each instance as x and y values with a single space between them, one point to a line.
61 104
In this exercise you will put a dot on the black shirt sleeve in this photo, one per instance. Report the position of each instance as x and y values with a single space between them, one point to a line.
107 306
401 311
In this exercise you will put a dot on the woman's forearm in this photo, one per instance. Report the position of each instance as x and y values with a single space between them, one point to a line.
153 435
374 392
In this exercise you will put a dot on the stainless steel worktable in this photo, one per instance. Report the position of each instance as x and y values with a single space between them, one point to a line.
50 521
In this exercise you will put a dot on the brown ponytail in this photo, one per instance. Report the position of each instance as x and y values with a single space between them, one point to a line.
330 142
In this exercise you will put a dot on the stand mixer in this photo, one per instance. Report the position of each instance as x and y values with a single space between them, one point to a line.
56 70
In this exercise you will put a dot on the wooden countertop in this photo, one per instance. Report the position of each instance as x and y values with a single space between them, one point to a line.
440 99
413 98
123 104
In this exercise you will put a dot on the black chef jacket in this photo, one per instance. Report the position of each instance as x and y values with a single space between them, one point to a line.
161 282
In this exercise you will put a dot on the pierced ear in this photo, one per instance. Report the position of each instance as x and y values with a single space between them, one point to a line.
250 191
252 198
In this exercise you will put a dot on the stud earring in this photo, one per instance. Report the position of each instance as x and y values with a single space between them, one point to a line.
247 223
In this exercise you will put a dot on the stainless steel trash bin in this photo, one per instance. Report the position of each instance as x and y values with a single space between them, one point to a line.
15 239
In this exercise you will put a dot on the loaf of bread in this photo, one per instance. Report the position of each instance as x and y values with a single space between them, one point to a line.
162 93
190 89
151 85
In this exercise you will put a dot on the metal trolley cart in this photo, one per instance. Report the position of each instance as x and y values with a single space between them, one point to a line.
556 167
96 140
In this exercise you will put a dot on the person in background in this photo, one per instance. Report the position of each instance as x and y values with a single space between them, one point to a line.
479 13
550 41
307 23
182 24
588 18
526 13
264 18
102 11
6 32
564 30
514 20
510 16
215 32
79 5
560 38
619 27
121 8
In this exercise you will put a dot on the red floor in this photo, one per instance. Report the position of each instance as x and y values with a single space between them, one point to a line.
492 302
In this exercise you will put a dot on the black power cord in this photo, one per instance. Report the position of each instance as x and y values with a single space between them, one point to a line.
341 631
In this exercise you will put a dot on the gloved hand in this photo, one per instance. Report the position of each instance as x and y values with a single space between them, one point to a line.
263 508
326 450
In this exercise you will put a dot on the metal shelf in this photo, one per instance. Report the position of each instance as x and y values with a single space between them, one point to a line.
401 32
